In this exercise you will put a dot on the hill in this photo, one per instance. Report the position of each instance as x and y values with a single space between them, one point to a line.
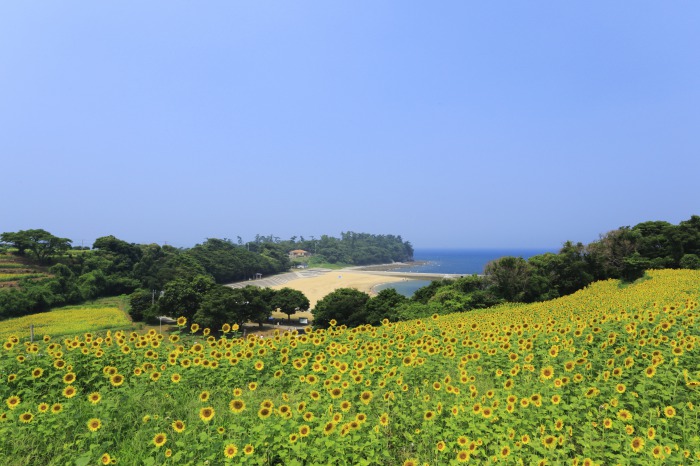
606 375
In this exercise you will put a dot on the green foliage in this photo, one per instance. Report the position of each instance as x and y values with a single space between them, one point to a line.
384 306
423 295
142 305
221 305
183 297
508 277
634 267
258 304
40 243
351 248
345 305
290 301
228 262
690 261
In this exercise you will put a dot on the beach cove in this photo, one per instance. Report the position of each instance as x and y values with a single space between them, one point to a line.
317 283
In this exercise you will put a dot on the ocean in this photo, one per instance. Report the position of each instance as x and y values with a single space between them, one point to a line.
459 261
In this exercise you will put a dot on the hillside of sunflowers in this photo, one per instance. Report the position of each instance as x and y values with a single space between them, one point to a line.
608 375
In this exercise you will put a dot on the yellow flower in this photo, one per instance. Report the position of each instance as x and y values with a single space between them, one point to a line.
69 391
624 415
94 424
547 372
669 411
206 414
549 441
236 406
264 413
116 380
178 426
13 401
384 419
159 439
230 450
637 444
366 397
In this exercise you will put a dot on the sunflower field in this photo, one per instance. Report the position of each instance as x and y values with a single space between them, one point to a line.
64 321
608 375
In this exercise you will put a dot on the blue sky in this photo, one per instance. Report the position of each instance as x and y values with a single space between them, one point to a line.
454 123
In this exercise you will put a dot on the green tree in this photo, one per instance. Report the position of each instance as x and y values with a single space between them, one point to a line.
258 304
509 277
221 305
571 269
183 297
634 267
385 305
40 242
423 294
290 301
606 256
142 306
690 261
346 305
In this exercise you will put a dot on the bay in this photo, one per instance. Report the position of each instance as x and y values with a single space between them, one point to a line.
453 261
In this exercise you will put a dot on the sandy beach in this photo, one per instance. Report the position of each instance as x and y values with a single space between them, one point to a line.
317 287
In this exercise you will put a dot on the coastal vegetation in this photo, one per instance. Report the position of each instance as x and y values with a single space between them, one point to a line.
43 272
605 375
625 254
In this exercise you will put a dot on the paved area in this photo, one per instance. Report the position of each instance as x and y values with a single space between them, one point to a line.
280 279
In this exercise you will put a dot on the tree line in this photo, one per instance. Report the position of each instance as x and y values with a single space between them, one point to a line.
155 274
351 248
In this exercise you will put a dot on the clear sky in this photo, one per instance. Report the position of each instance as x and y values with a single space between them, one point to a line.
452 123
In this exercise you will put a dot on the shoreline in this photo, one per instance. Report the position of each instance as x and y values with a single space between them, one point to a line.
392 267
317 287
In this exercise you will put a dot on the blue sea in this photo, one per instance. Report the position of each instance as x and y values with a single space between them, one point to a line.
453 261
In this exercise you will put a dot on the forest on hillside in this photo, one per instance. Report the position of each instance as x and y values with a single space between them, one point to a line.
59 274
